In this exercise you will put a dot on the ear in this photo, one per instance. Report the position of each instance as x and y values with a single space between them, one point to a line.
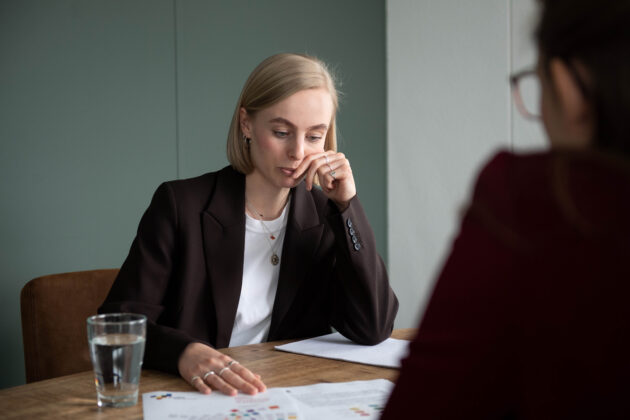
574 110
245 122
573 104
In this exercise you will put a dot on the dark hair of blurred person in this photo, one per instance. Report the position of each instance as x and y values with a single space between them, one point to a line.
592 38
529 318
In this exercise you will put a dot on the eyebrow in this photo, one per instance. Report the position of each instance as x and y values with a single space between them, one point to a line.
289 123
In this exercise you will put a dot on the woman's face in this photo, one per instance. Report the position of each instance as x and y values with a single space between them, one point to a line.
283 134
565 113
549 107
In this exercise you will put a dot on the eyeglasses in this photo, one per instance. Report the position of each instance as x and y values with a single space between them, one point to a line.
526 92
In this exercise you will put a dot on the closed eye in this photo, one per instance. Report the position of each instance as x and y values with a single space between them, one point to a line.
280 134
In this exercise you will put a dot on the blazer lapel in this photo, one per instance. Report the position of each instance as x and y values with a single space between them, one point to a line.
223 225
303 235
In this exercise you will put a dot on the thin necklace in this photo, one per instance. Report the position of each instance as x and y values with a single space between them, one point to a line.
275 259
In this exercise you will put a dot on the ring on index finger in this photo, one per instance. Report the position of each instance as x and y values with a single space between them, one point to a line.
208 373
332 173
230 363
223 370
326 157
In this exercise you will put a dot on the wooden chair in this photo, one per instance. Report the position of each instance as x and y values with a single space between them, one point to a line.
54 311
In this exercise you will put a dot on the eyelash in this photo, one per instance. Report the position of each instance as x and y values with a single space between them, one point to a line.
285 134
281 134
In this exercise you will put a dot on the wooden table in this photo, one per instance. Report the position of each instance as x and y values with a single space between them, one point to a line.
74 396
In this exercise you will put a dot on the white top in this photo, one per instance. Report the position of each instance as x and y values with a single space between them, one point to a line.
260 280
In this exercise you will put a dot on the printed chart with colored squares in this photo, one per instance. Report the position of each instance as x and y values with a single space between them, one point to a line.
368 411
329 401
271 405
272 412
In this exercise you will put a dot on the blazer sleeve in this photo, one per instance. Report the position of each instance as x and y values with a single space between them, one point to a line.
144 278
458 365
364 305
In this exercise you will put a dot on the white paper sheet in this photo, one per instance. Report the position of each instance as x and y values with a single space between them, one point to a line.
336 346
272 404
342 401
330 401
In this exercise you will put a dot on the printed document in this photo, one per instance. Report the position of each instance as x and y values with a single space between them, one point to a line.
336 346
330 401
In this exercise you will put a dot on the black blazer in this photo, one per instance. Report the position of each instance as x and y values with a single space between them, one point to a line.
185 267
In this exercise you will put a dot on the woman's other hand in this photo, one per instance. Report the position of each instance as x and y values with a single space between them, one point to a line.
206 369
334 174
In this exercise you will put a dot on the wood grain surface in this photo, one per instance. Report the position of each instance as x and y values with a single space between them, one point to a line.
74 396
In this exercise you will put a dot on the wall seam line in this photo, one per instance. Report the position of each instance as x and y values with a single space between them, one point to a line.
509 96
176 86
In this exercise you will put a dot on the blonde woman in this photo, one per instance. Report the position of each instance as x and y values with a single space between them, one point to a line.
257 251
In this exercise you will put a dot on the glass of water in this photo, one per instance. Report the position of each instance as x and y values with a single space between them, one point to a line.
117 348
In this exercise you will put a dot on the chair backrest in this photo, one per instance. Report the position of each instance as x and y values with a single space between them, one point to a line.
54 311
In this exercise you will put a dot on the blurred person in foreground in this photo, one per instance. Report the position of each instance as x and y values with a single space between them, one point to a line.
530 317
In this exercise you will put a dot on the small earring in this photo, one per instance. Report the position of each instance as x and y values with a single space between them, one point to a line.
246 139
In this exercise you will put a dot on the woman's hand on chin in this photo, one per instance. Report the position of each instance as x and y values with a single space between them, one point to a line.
334 173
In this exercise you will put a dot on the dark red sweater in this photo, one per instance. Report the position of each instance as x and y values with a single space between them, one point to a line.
530 317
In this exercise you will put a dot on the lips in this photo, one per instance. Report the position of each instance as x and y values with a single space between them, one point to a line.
287 171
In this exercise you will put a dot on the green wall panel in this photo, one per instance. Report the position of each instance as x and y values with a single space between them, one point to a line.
86 133
219 43
100 101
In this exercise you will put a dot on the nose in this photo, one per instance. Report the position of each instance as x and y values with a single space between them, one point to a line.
296 149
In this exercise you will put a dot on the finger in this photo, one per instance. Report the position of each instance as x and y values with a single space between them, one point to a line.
332 177
238 382
334 171
302 169
334 161
250 377
200 385
336 158
315 168
218 383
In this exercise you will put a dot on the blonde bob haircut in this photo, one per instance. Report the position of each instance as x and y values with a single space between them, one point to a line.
275 79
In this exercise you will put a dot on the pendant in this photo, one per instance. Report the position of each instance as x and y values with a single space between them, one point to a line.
272 237
275 259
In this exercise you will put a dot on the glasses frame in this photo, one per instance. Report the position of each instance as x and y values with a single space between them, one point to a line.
517 96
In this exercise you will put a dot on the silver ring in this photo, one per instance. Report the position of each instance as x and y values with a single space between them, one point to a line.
326 157
223 370
332 173
194 378
208 373
231 362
